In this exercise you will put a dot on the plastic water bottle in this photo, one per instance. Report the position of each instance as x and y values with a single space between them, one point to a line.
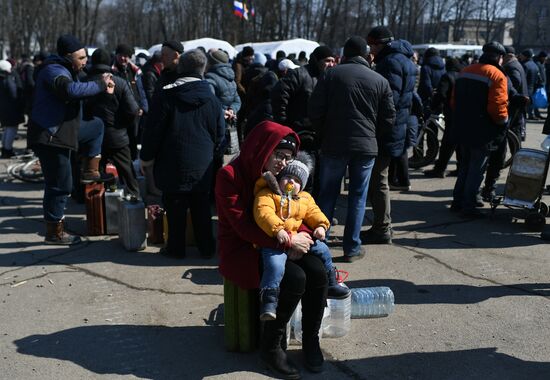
338 322
545 145
296 322
371 302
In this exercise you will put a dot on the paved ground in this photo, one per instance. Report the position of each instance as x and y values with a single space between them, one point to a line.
472 300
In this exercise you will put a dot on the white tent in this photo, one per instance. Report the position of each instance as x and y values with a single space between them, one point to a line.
288 46
207 43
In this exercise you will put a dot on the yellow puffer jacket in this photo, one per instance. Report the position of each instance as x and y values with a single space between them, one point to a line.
267 209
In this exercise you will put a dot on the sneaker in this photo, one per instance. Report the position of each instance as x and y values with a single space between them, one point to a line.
479 201
432 173
400 187
352 258
372 236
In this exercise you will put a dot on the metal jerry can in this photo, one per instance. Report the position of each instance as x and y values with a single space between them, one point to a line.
112 196
95 209
132 226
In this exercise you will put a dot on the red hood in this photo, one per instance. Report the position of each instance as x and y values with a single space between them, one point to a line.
258 146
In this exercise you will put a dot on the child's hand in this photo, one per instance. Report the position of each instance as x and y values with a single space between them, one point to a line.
282 237
319 233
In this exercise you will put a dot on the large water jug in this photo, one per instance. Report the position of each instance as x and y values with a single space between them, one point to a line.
371 302
132 225
338 322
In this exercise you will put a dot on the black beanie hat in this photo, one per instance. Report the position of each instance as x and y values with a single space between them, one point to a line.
247 51
510 50
124 50
67 44
101 57
542 54
379 35
431 52
494 48
527 53
355 46
322 52
174 45
288 142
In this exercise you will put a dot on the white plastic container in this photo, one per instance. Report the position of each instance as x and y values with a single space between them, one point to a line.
372 302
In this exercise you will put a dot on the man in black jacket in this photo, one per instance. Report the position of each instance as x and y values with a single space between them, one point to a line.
290 96
118 112
184 132
350 107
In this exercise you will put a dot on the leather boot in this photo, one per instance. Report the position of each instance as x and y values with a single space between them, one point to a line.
90 171
271 351
55 234
313 307
335 290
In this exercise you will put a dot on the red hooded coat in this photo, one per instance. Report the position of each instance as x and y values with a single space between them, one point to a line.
237 230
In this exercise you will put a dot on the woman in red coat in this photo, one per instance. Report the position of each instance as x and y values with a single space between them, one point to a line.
266 148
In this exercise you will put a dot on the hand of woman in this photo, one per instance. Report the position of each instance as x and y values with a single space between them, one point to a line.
300 245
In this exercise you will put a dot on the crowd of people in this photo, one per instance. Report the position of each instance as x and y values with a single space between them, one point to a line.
301 124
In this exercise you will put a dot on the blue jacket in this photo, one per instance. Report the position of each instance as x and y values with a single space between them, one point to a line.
222 79
394 64
532 75
430 74
11 113
185 130
56 109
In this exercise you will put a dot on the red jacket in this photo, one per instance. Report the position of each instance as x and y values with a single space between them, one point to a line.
237 230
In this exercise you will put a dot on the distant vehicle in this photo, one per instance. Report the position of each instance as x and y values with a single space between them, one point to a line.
449 50
206 43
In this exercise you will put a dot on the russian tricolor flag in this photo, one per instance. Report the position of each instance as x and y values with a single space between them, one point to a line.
240 10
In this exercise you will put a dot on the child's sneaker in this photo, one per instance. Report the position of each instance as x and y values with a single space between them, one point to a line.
269 298
335 290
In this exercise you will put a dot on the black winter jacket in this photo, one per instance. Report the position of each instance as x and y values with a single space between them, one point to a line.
532 75
118 111
184 131
11 113
350 108
290 96
430 74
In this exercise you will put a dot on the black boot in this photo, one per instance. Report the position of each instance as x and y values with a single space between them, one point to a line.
335 291
313 307
269 298
271 352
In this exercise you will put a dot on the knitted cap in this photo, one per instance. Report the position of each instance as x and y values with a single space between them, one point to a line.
510 50
247 51
174 45
379 35
527 53
218 56
260 58
288 142
322 52
67 44
124 49
101 57
299 168
355 46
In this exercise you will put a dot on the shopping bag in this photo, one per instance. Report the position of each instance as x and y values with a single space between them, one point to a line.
540 99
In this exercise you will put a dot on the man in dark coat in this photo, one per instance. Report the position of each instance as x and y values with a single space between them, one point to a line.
290 96
392 59
11 113
515 71
350 107
433 68
151 74
533 78
183 134
118 112
441 103
539 61
54 130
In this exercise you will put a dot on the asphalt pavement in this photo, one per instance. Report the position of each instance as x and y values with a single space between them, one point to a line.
472 299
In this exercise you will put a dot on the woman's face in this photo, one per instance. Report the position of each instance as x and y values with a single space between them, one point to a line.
278 160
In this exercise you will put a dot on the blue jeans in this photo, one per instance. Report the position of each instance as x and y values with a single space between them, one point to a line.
274 263
90 137
473 162
58 180
330 178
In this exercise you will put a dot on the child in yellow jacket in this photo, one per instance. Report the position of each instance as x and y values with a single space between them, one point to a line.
280 208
